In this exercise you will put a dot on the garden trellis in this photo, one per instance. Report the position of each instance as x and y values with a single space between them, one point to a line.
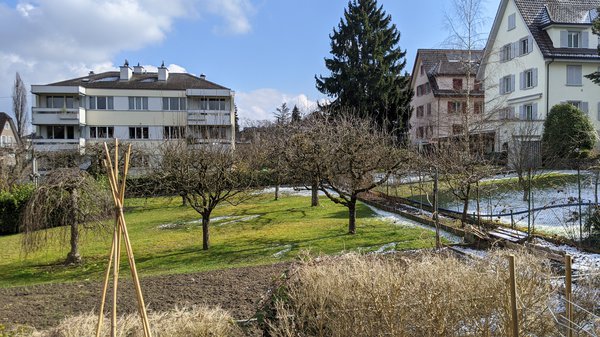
120 233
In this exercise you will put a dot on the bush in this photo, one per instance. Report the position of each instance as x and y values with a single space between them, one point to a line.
429 295
12 203
568 133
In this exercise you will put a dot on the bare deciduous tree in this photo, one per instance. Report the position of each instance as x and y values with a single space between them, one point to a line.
67 198
19 99
207 175
358 156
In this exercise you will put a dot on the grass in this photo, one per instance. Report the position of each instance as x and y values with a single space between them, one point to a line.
274 231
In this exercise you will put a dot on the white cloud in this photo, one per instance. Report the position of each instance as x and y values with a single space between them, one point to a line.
261 103
52 40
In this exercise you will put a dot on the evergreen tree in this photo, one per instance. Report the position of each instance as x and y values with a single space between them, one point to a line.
366 67
282 114
568 133
595 76
237 122
296 117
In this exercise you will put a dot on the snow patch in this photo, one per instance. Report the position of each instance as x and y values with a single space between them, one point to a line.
582 261
388 247
285 250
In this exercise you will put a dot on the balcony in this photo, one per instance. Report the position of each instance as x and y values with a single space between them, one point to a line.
49 116
202 117
51 145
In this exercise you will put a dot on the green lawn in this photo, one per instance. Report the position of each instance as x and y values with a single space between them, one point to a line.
267 231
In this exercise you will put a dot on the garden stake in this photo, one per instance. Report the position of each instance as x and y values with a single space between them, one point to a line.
120 232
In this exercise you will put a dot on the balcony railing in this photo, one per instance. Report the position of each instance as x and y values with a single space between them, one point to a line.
201 117
46 145
50 116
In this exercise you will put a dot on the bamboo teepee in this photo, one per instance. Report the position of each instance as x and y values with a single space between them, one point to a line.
120 232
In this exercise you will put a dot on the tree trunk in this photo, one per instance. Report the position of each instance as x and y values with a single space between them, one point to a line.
596 187
183 199
525 188
73 257
465 206
352 215
314 198
205 234
277 191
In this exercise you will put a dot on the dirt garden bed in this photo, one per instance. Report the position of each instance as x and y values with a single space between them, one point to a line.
235 290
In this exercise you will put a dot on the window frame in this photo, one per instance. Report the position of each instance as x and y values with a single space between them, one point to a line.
579 77
139 132
109 132
573 39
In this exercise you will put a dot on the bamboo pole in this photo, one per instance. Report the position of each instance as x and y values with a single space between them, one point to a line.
513 297
118 195
568 295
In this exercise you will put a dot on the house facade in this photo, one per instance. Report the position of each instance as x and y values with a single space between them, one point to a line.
9 140
537 56
139 107
447 101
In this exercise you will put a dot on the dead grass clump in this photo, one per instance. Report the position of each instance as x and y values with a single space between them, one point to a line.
431 295
194 322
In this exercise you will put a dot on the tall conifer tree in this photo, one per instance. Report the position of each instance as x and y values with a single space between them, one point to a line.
366 67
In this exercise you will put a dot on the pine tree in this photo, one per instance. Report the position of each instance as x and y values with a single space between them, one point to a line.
366 67
282 114
296 117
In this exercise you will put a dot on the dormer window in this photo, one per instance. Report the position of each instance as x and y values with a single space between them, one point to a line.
573 39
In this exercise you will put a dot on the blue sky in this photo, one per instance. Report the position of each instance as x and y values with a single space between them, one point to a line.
268 51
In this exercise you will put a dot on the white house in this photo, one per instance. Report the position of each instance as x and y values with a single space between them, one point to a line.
143 108
536 56
441 80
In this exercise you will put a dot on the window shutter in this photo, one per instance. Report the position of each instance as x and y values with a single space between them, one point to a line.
534 76
501 86
512 112
512 83
131 105
534 111
512 22
522 112
110 103
530 43
92 102
522 80
514 50
585 107
585 39
564 39
450 107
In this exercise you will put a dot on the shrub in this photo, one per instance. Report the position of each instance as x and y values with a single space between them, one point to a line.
12 203
568 133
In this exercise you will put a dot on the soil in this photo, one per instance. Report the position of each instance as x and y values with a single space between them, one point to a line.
237 290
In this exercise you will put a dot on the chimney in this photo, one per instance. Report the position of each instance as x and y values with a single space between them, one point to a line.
91 73
202 76
138 69
163 72
125 72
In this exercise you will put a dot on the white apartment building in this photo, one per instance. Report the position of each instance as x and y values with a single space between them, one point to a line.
139 107
537 56
441 80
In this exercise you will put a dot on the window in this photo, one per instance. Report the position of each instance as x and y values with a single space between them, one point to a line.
512 21
419 89
455 106
138 103
477 107
102 132
528 111
507 113
573 39
420 132
138 132
457 83
477 86
574 75
422 70
427 88
102 102
7 126
525 46
61 132
174 132
506 53
507 84
59 102
419 111
529 78
583 106
174 103
428 109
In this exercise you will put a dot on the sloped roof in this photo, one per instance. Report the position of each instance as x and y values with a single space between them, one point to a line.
539 14
6 118
447 62
148 81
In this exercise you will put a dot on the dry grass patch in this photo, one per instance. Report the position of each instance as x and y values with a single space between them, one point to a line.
194 322
428 295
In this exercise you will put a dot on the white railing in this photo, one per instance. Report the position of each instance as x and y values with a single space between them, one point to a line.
58 116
